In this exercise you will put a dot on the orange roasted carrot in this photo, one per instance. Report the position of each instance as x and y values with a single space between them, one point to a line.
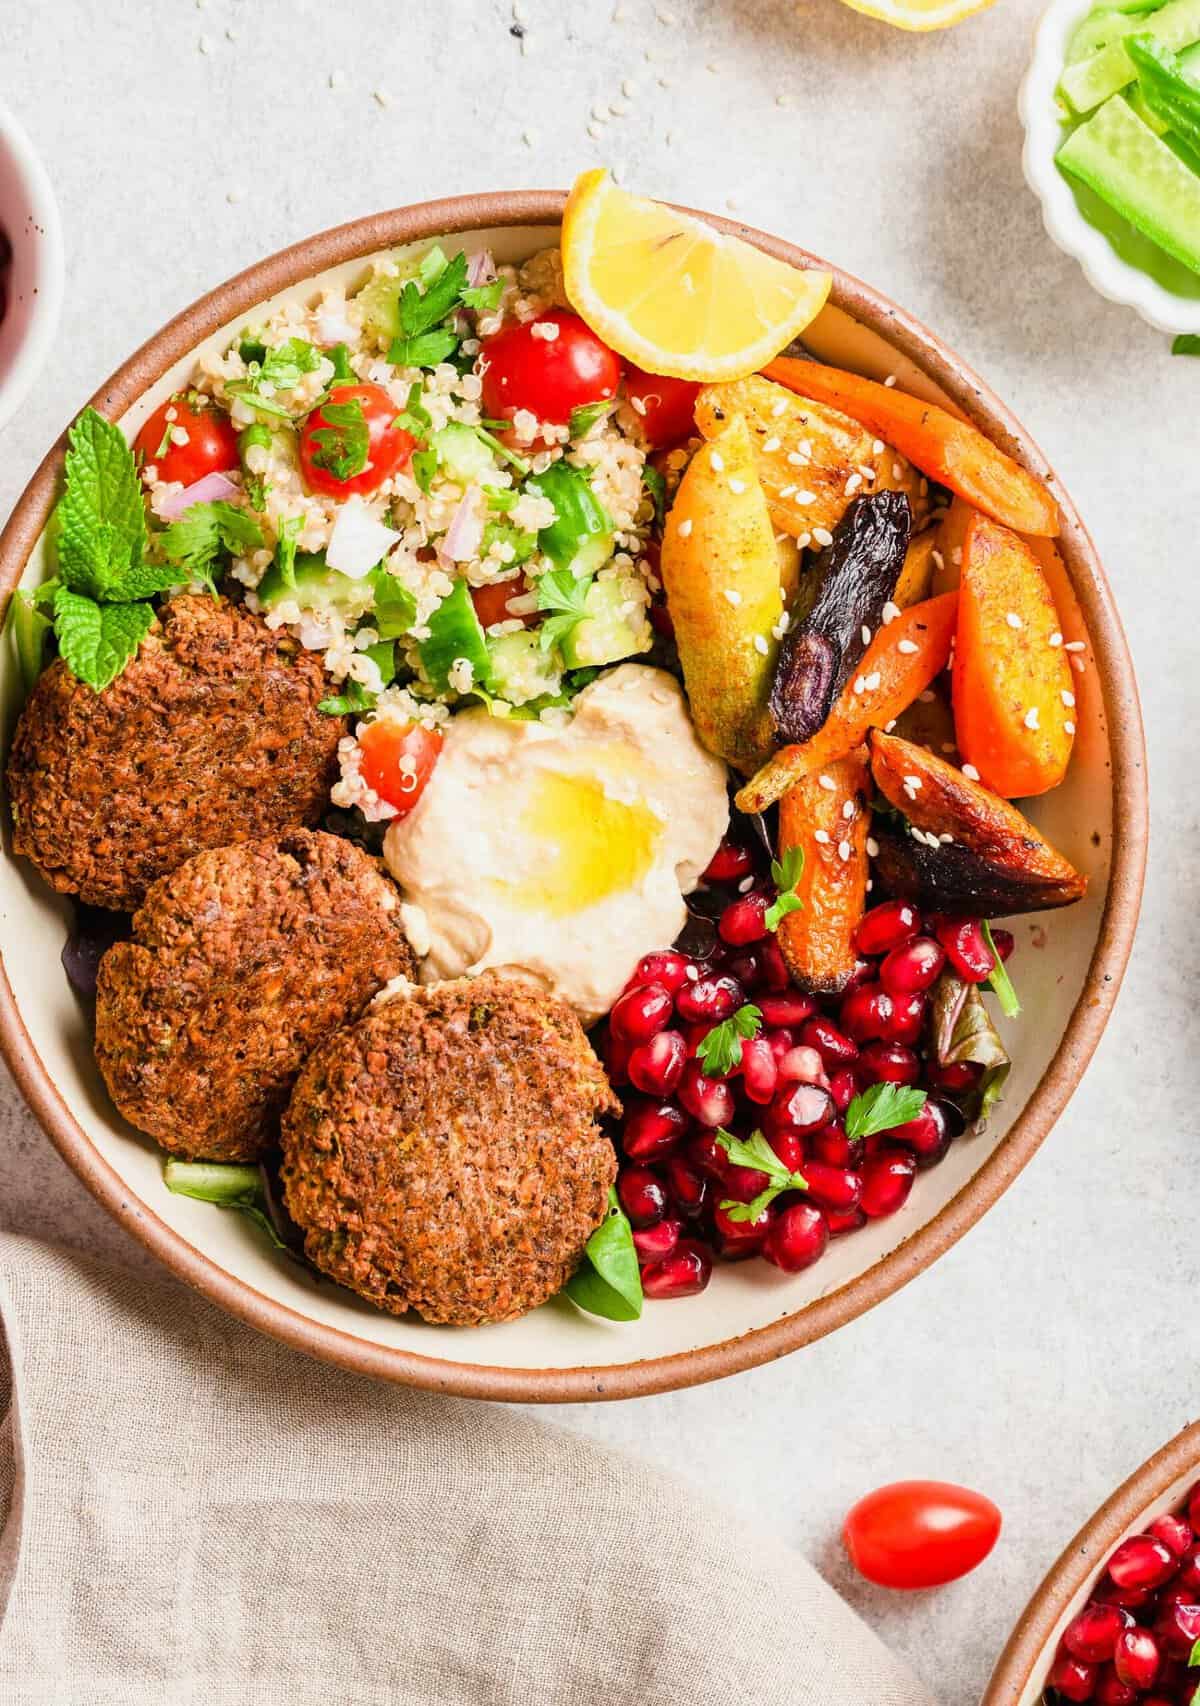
949 450
831 824
901 661
1014 702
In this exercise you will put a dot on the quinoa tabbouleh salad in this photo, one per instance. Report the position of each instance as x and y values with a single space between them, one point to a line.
534 764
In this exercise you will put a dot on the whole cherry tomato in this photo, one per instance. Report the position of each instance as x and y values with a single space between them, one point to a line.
547 375
398 759
210 441
665 407
351 443
491 601
920 1534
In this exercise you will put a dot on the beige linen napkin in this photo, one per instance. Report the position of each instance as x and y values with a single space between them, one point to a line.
198 1515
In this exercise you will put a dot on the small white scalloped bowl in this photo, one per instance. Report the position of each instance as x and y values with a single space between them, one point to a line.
29 218
1105 270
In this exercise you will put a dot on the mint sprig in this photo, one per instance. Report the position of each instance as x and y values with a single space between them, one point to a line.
720 1051
881 1108
96 640
785 874
757 1154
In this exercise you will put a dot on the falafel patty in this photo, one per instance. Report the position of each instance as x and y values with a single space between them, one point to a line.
210 736
242 961
443 1154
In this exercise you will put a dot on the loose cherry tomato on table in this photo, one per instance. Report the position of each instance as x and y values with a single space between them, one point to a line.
351 443
491 601
665 407
920 1534
211 445
548 376
398 759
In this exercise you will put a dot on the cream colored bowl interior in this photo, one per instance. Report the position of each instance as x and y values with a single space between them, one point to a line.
1050 974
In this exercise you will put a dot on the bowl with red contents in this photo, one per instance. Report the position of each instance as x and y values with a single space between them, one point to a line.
677 685
1117 1618
31 264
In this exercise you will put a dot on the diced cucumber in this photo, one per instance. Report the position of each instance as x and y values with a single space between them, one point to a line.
463 454
378 298
454 633
1138 176
580 538
1092 80
318 587
521 670
609 631
1098 31
29 629
1141 107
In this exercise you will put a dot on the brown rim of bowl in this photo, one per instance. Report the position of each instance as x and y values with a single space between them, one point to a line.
1090 1548
1128 760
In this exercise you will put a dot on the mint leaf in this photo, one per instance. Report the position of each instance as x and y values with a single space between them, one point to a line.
1187 343
720 1051
558 590
101 522
785 874
758 1155
342 440
609 1283
881 1108
584 418
96 641
1000 983
194 542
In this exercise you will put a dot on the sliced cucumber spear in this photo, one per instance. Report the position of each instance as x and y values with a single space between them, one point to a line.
1139 177
1094 79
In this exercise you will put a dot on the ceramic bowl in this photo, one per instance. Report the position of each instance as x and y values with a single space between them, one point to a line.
1159 1486
1070 962
29 220
1104 268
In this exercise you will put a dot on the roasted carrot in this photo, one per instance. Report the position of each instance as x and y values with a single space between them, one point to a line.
901 661
916 577
817 941
1014 701
945 448
951 538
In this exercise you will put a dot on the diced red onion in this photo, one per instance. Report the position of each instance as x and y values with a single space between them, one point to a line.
210 489
481 268
464 535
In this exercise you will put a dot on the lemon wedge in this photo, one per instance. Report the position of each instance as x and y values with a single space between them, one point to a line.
671 294
919 14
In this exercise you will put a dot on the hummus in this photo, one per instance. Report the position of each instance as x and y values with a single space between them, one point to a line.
561 852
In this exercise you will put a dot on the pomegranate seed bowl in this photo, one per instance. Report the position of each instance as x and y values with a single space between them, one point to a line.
890 978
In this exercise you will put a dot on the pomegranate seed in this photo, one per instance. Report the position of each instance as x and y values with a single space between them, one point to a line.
740 1238
705 1152
656 1243
1142 1561
796 1238
928 1136
1189 1576
643 1195
800 1108
836 1188
1072 1678
832 1146
683 1273
959 1076
709 1100
863 971
711 998
616 1058
914 967
866 1012
1108 1593
889 1063
775 973
1111 1691
668 968
781 1042
1005 941
641 1013
1093 1634
1136 1658
760 1074
744 920
1193 1510
791 1009
742 1184
850 1222
908 1016
729 864
887 1179
833 1046
657 1066
966 948
746 967
1178 1628
688 1186
886 927
843 1087
801 1065
652 1129
1174 1533
789 1147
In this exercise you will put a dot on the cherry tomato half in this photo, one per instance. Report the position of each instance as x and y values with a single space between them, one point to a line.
491 601
920 1534
549 376
665 407
211 447
351 443
398 759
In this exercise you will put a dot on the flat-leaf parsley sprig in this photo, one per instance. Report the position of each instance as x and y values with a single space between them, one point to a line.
757 1154
785 874
881 1108
720 1051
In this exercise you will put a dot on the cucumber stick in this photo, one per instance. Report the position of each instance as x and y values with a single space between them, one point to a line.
1094 79
1139 177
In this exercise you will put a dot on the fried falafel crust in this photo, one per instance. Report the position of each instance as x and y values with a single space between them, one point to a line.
210 736
242 962
443 1154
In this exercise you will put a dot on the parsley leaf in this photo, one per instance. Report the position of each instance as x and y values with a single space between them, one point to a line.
720 1051
342 440
193 543
285 549
501 498
584 418
343 373
415 417
882 1107
657 487
354 697
785 874
426 349
558 590
504 533
98 640
424 465
101 522
999 982
284 367
758 1155
424 341
483 297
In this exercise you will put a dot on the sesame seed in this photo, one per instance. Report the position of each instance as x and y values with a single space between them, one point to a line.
600 113
908 647
939 562
733 595
888 727
823 536
878 448
866 635
945 838
712 66
337 79
787 492
804 541
737 487
595 130
821 836
530 138
638 405
889 613
717 460
760 645
629 89
806 497
1068 698
867 472
746 884
873 681
827 782
852 484
1078 665
844 850
778 407
618 109
381 97
848 809
797 458
685 529
970 772
1030 718
205 44
860 682
1013 620
1070 728
771 445
890 380
913 782
1056 639
692 973
872 847
1075 646
956 556
236 194
806 448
